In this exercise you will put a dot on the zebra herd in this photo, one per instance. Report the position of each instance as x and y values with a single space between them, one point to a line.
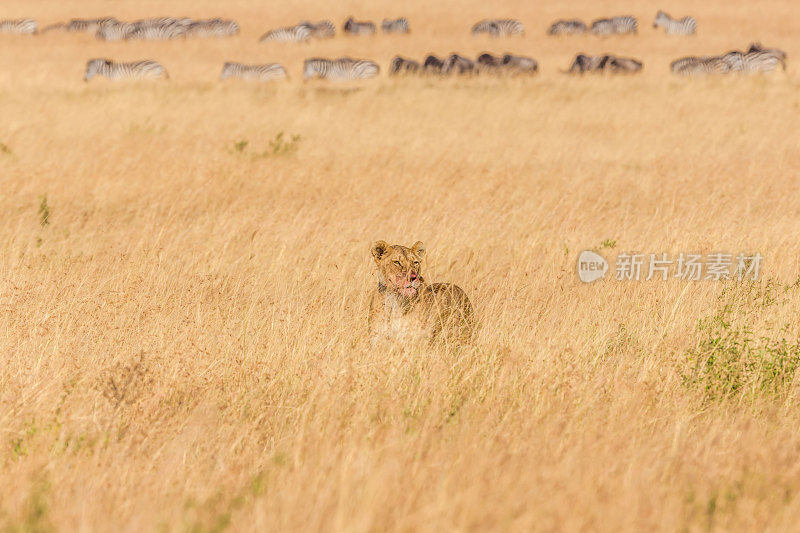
622 25
162 28
756 59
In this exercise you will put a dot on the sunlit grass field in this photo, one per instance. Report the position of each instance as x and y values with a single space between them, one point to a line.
185 267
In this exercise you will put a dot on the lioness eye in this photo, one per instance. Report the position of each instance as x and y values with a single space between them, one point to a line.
397 263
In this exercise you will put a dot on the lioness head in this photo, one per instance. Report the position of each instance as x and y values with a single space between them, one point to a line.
399 267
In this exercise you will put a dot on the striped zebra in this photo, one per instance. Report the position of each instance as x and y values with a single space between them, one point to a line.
777 52
694 66
354 27
79 25
115 71
761 61
395 25
340 69
19 26
458 64
498 27
156 32
615 25
266 72
291 34
321 30
567 27
212 28
685 26
433 65
401 65
114 30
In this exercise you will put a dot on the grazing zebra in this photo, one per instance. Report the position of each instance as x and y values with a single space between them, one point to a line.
691 66
117 71
615 25
395 26
779 54
354 27
401 65
80 25
520 64
114 30
18 27
321 30
433 65
340 69
157 31
266 72
291 34
498 27
684 26
761 61
567 27
212 28
458 64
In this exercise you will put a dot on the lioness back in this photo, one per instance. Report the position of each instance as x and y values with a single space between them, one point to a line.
451 311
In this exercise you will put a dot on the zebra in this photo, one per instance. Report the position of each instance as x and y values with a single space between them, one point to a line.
340 69
567 27
79 25
685 26
433 65
761 61
115 71
354 27
212 28
520 64
114 30
321 30
777 52
295 34
157 31
19 26
401 65
692 65
266 72
395 26
615 25
458 64
498 27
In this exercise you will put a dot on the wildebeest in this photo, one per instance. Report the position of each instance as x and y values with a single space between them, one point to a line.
401 65
354 27
433 65
458 64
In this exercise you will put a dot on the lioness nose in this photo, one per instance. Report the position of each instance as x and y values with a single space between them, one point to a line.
413 275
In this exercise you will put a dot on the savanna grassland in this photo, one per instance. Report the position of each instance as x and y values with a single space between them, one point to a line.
184 274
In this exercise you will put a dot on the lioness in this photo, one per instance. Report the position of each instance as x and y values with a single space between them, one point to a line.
405 308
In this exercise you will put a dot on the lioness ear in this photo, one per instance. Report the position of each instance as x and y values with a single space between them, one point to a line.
418 248
379 249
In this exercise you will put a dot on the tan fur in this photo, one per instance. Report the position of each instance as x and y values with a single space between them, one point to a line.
406 309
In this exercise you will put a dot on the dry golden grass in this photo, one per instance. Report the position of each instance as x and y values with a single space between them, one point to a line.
183 342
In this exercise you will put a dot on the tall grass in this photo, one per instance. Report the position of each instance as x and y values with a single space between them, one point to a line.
182 321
